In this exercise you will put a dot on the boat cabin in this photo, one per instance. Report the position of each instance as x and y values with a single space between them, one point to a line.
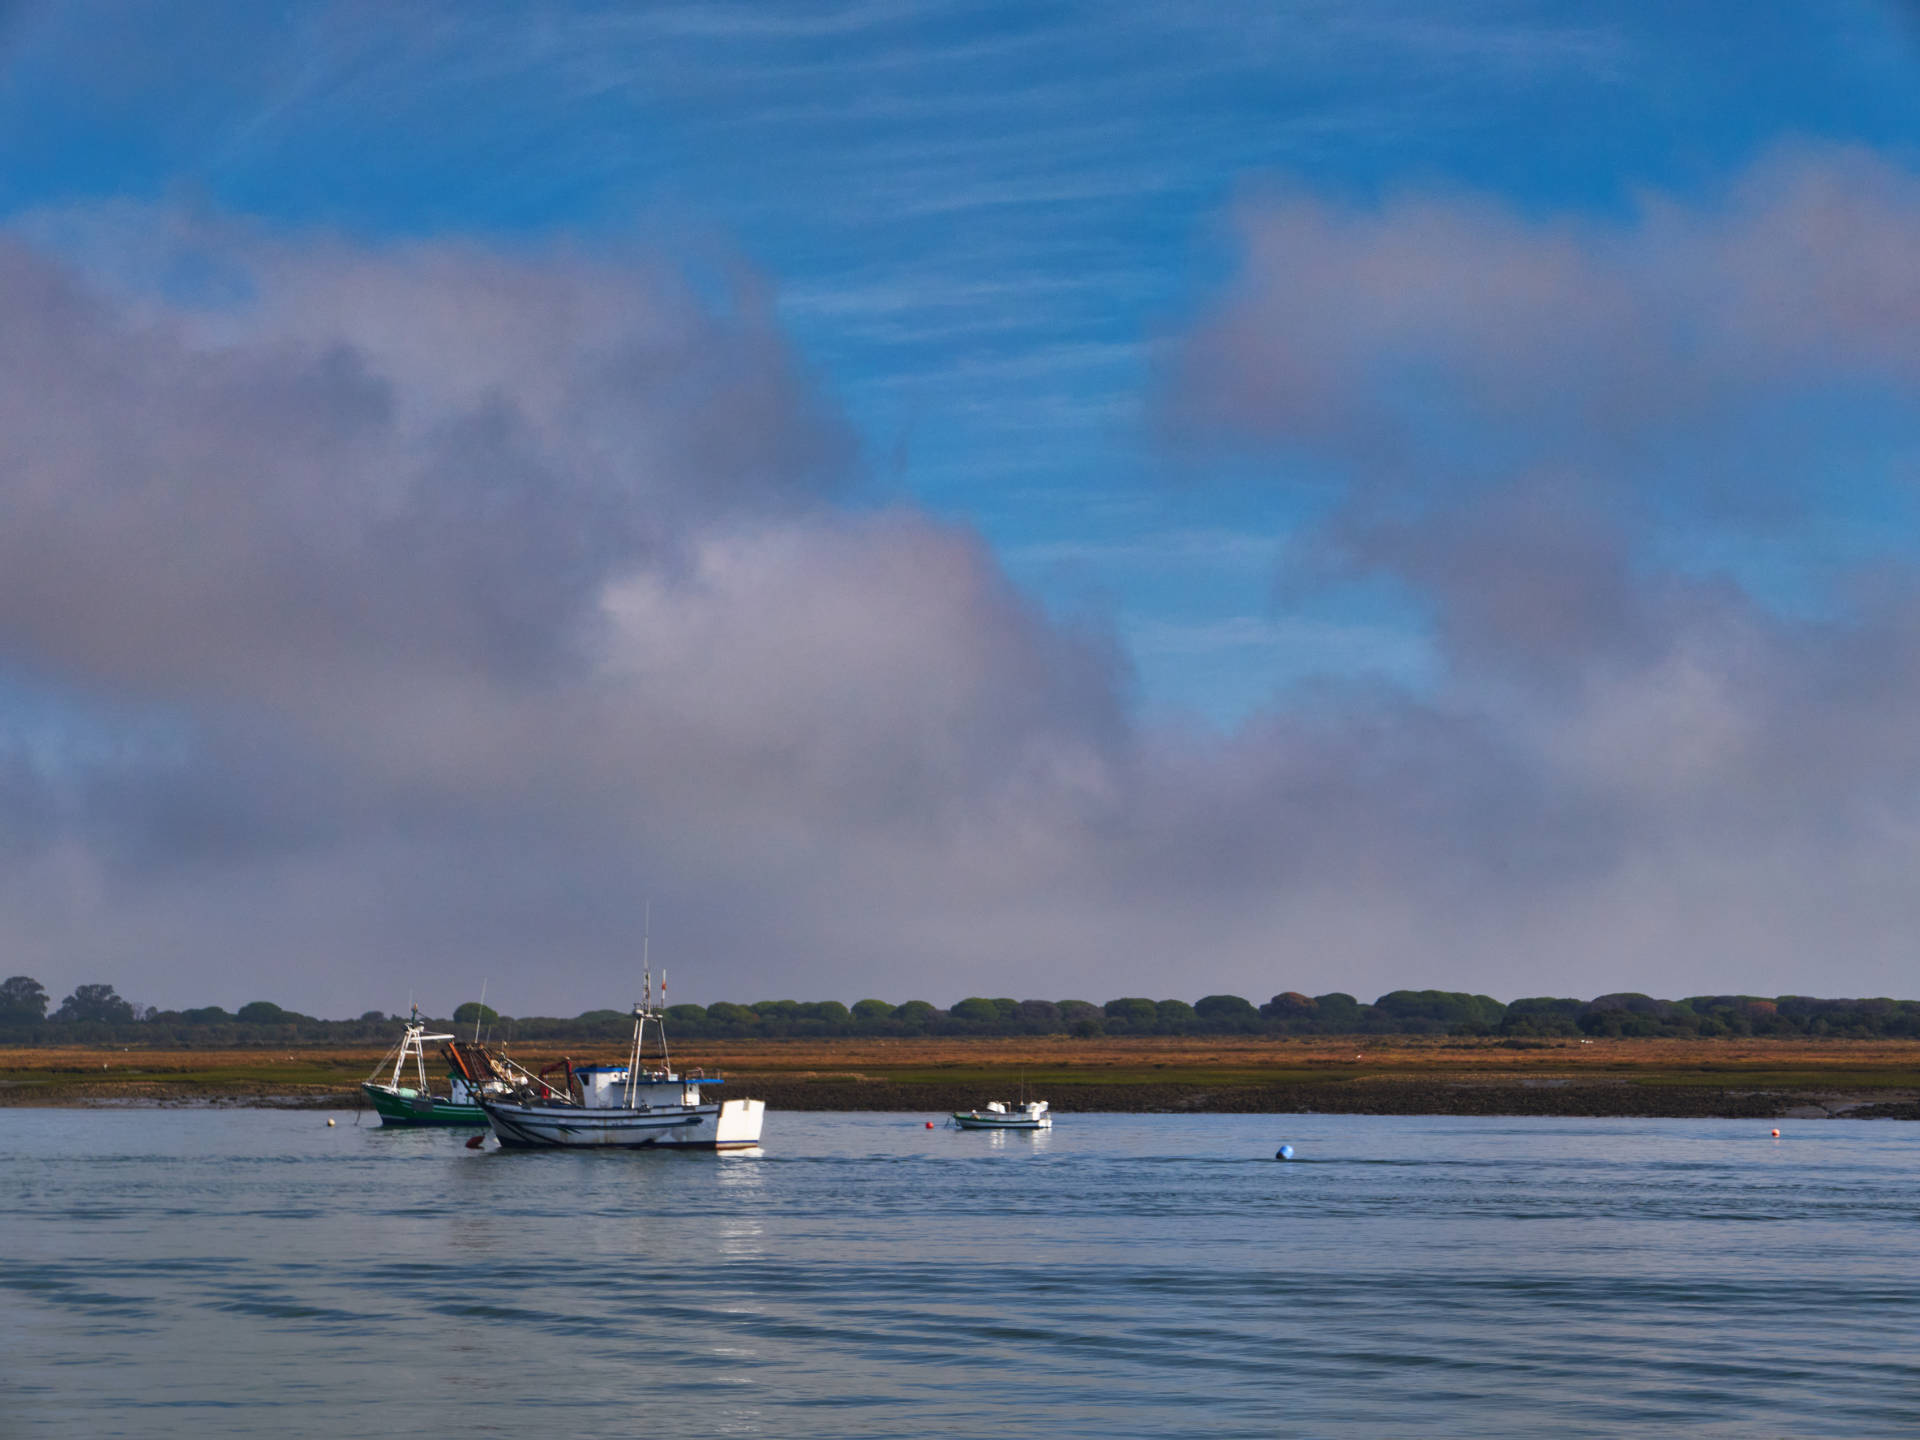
604 1087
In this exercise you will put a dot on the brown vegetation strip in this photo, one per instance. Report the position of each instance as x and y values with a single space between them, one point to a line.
1350 1075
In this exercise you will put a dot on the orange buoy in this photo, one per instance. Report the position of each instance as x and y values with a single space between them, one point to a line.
1776 1134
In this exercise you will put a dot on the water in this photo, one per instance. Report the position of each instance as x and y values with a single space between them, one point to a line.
191 1273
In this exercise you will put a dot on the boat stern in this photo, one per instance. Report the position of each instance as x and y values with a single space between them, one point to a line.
738 1124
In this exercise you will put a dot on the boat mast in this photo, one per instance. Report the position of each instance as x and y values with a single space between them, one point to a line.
641 1010
660 1024
407 1043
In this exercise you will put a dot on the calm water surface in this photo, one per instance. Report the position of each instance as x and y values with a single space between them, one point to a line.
190 1273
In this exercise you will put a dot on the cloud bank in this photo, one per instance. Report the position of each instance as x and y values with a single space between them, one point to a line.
1649 481
379 619
440 606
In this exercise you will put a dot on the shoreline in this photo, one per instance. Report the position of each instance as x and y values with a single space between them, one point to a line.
1372 1075
1622 1100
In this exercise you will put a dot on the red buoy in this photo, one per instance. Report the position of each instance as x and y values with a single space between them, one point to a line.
929 1124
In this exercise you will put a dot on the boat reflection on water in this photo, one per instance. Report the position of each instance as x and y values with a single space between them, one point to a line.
1027 1140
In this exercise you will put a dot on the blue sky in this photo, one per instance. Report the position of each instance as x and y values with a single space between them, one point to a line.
979 220
1199 351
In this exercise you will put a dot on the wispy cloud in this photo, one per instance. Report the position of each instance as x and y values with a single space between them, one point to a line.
1192 547
1296 647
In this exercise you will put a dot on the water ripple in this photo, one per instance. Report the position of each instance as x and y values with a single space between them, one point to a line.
203 1274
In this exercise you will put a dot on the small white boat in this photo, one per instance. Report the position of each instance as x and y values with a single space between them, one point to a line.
1032 1116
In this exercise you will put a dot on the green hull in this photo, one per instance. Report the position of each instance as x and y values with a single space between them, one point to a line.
409 1107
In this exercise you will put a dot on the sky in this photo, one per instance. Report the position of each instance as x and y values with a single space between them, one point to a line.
1037 500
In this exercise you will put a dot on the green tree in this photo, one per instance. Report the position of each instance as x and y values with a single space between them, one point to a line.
1438 1012
977 1014
95 1004
1542 1015
915 1017
824 1017
1082 1018
1336 1013
1292 1011
1226 1015
261 1012
1132 1015
1175 1017
1038 1017
22 998
467 1014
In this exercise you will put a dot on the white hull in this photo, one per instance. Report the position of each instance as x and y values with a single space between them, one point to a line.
724 1125
1029 1115
1001 1122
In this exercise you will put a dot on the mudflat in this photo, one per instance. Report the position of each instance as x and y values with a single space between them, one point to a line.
1386 1075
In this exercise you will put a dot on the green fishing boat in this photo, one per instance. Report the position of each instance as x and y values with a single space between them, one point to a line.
416 1103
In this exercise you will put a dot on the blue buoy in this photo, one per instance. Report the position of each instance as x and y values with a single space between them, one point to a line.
1285 1152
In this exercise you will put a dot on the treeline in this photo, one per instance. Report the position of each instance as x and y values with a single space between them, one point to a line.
96 1014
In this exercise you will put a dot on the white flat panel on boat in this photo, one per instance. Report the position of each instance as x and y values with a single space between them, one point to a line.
739 1122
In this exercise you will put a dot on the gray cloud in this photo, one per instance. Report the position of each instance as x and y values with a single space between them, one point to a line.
1640 761
425 459
432 608
480 598
1439 335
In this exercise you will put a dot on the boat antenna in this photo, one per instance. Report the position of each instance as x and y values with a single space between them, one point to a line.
641 1011
666 1060
478 1012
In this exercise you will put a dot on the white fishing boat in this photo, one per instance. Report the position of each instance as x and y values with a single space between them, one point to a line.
633 1106
1034 1115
